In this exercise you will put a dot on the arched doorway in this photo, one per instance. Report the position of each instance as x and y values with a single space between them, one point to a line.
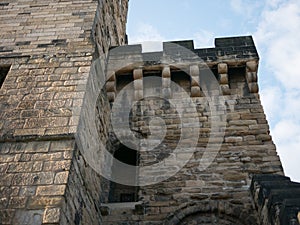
213 213
209 219
119 192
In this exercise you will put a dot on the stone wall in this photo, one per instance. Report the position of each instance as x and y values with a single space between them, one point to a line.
50 50
34 177
50 47
276 199
199 146
212 170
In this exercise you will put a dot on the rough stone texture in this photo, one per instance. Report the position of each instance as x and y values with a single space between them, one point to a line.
34 180
56 132
219 194
50 47
277 199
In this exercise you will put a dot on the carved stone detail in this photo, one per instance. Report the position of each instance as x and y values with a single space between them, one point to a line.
166 82
195 81
223 78
138 84
111 87
251 76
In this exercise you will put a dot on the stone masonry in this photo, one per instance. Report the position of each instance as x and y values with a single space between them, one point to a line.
49 47
82 120
218 194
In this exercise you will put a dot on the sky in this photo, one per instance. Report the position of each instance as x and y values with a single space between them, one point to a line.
275 27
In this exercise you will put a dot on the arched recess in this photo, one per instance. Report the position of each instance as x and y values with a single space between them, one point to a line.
209 219
212 213
119 192
183 80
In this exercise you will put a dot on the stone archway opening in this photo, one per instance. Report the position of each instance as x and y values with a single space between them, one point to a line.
208 219
120 192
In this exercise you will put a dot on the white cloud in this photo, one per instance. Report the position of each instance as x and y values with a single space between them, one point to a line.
277 37
151 39
237 5
204 38
148 36
287 134
274 3
271 98
247 8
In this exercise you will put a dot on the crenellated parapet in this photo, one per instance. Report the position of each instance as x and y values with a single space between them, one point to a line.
230 56
95 134
196 111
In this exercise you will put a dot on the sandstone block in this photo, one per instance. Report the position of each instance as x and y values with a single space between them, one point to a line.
233 139
51 215
61 177
50 190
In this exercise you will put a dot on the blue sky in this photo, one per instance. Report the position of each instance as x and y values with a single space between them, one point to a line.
275 26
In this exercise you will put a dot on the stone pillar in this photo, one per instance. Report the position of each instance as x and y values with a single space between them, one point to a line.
223 78
138 84
166 82
251 76
111 87
195 81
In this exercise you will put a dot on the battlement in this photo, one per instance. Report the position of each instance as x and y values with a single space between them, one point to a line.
233 60
167 97
229 49
94 134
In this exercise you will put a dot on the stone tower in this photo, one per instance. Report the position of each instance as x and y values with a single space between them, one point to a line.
46 51
92 133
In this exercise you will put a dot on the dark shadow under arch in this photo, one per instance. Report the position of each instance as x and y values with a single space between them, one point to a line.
209 213
119 192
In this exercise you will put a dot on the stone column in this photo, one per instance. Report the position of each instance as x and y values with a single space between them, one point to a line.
251 76
195 81
166 82
223 78
138 84
111 88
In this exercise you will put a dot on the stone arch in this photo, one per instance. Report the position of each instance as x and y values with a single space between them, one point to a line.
208 219
211 213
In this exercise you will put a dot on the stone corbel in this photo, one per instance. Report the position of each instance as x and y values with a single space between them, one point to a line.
138 84
166 82
251 76
223 78
111 88
195 82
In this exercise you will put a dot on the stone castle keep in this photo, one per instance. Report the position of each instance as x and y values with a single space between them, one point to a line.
94 131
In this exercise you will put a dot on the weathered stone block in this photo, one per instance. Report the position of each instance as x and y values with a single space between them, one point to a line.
222 68
51 215
39 202
233 139
50 190
61 177
17 202
34 147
